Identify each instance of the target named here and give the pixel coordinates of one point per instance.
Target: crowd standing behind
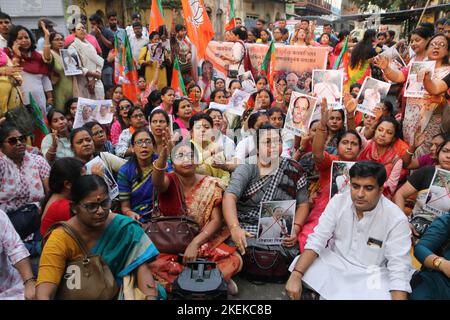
(90, 190)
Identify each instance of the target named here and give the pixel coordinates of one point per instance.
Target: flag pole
(423, 13)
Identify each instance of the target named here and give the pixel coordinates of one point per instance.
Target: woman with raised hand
(56, 144)
(349, 145)
(426, 112)
(202, 196)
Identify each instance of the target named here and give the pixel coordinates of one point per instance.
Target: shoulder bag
(171, 234)
(85, 278)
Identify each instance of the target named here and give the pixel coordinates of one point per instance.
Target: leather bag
(265, 265)
(86, 278)
(172, 234)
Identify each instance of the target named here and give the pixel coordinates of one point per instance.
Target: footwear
(232, 288)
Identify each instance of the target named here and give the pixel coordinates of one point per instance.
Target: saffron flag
(268, 64)
(156, 16)
(231, 16)
(37, 115)
(177, 80)
(125, 70)
(198, 25)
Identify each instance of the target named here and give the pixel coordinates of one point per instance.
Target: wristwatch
(437, 262)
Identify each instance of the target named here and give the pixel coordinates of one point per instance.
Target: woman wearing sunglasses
(119, 240)
(23, 175)
(137, 121)
(122, 121)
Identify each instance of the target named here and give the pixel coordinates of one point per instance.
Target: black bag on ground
(200, 280)
(26, 220)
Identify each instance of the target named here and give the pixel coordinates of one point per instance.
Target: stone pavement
(266, 291)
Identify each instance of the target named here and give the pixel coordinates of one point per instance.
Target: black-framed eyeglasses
(141, 143)
(93, 207)
(125, 107)
(14, 140)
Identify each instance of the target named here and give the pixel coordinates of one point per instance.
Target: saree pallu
(357, 74)
(205, 196)
(389, 159)
(420, 112)
(124, 246)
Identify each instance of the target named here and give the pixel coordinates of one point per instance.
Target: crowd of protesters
(175, 154)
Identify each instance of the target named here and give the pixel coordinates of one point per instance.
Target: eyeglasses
(141, 143)
(138, 116)
(98, 133)
(125, 107)
(93, 207)
(14, 140)
(181, 156)
(438, 44)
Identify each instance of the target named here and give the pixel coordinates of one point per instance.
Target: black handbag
(26, 220)
(21, 117)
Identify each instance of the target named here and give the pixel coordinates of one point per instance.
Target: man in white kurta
(354, 255)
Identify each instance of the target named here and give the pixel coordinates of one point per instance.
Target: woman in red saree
(203, 199)
(387, 148)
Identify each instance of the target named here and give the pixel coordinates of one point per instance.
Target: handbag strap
(72, 233)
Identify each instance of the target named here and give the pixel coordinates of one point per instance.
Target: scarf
(34, 64)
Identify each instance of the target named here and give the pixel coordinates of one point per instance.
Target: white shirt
(124, 143)
(246, 148)
(136, 45)
(3, 42)
(130, 32)
(347, 266)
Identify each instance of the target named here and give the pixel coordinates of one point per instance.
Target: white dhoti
(335, 278)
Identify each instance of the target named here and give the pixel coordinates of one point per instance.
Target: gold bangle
(159, 169)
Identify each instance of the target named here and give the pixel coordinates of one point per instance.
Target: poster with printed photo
(104, 112)
(156, 52)
(237, 101)
(340, 177)
(113, 188)
(300, 112)
(396, 60)
(438, 198)
(329, 84)
(414, 84)
(372, 92)
(276, 219)
(247, 82)
(71, 62)
(86, 112)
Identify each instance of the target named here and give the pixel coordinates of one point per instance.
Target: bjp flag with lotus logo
(199, 28)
